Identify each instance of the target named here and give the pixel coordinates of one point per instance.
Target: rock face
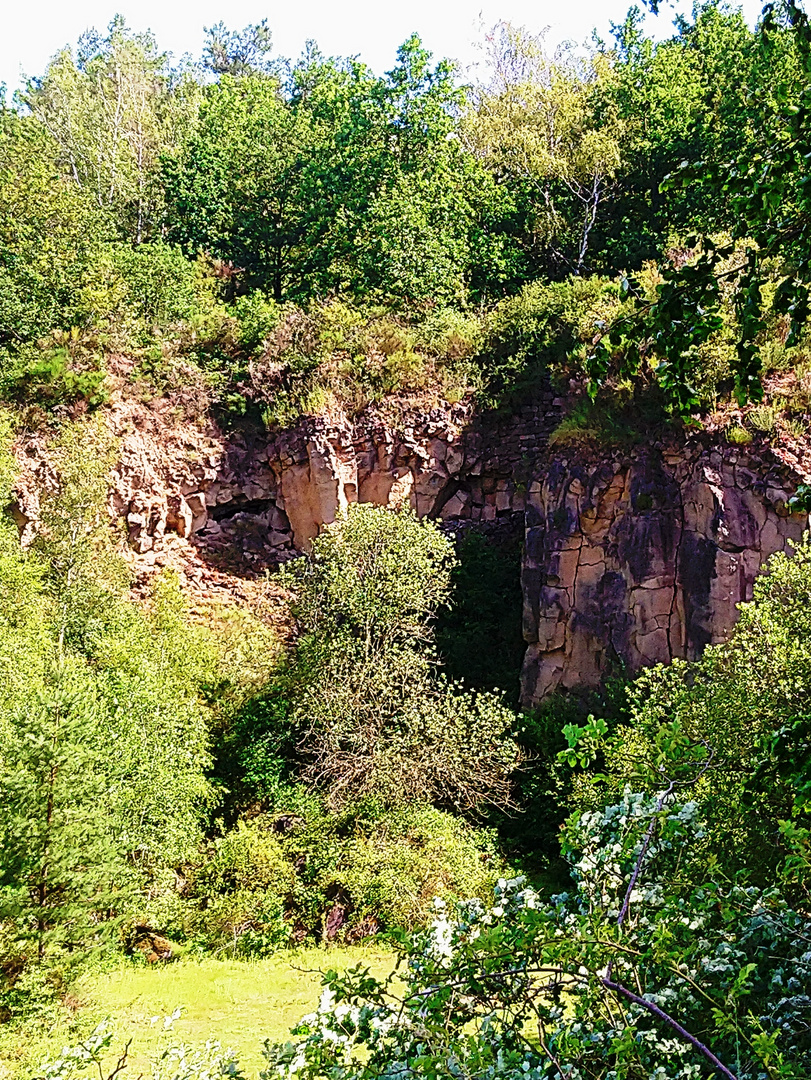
(644, 557)
(268, 494)
(630, 557)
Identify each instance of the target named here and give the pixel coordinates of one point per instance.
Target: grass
(239, 1003)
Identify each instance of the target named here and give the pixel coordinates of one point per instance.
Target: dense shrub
(543, 332)
(158, 286)
(375, 716)
(352, 354)
(66, 368)
(396, 864)
(243, 890)
(285, 877)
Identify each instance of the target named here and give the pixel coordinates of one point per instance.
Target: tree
(334, 181)
(62, 874)
(681, 947)
(384, 724)
(381, 575)
(701, 95)
(652, 964)
(144, 675)
(536, 123)
(766, 256)
(374, 714)
(49, 235)
(235, 191)
(147, 678)
(155, 680)
(238, 52)
(636, 971)
(113, 109)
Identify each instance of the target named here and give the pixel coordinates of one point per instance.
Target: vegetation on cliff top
(296, 234)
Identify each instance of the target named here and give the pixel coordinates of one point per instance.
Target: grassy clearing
(239, 1003)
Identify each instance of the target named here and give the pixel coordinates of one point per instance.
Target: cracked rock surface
(638, 558)
(631, 557)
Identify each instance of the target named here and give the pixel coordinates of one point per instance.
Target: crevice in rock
(254, 507)
(674, 647)
(452, 487)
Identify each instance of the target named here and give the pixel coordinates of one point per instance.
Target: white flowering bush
(209, 1062)
(636, 973)
(640, 972)
(94, 1058)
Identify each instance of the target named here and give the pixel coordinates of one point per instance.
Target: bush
(242, 891)
(375, 717)
(286, 876)
(541, 332)
(450, 334)
(69, 368)
(394, 866)
(247, 859)
(738, 436)
(258, 317)
(160, 285)
(761, 419)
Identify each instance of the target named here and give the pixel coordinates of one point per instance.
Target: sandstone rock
(179, 516)
(19, 517)
(670, 542)
(277, 519)
(653, 648)
(455, 505)
(197, 506)
(155, 947)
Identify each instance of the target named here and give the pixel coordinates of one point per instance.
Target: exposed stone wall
(644, 556)
(636, 556)
(269, 494)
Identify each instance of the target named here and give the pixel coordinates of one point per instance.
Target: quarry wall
(631, 556)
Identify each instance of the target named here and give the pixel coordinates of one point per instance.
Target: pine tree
(62, 881)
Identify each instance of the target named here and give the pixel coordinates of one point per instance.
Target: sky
(31, 31)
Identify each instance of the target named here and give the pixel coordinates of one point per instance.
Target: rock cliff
(631, 557)
(641, 557)
(267, 494)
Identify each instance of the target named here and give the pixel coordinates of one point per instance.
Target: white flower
(327, 1001)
